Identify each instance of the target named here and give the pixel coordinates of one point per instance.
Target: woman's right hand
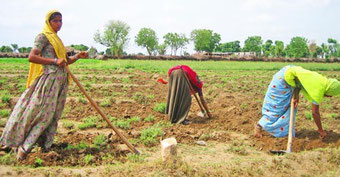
(60, 62)
(322, 133)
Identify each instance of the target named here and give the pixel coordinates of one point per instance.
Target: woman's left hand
(82, 55)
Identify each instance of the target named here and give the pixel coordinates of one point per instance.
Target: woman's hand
(296, 102)
(60, 62)
(322, 133)
(82, 55)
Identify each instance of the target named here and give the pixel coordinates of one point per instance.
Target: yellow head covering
(314, 85)
(36, 70)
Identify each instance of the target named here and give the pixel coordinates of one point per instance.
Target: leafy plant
(160, 107)
(99, 141)
(149, 135)
(68, 125)
(106, 103)
(38, 162)
(88, 123)
(149, 118)
(88, 158)
(5, 112)
(5, 97)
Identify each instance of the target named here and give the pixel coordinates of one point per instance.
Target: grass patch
(5, 112)
(68, 125)
(99, 141)
(149, 136)
(88, 123)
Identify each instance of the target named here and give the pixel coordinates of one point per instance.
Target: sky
(316, 20)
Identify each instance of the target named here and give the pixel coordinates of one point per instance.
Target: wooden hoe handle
(94, 104)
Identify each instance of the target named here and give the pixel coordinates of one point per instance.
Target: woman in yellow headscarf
(36, 114)
(276, 109)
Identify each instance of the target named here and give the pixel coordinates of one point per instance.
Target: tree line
(115, 38)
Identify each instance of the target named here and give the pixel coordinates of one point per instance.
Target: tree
(325, 50)
(80, 47)
(266, 48)
(333, 47)
(297, 47)
(161, 49)
(6, 49)
(279, 48)
(115, 36)
(92, 51)
(147, 38)
(233, 46)
(15, 47)
(205, 40)
(24, 49)
(253, 44)
(175, 41)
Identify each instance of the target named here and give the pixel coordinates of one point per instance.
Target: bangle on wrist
(55, 61)
(75, 57)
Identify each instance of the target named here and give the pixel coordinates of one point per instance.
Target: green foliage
(160, 107)
(68, 125)
(205, 40)
(233, 46)
(3, 122)
(149, 118)
(88, 123)
(297, 48)
(149, 135)
(238, 147)
(106, 103)
(122, 124)
(253, 44)
(80, 47)
(135, 158)
(5, 97)
(161, 49)
(115, 36)
(147, 38)
(7, 159)
(175, 41)
(81, 145)
(38, 162)
(88, 158)
(99, 141)
(7, 49)
(308, 115)
(5, 112)
(141, 98)
(82, 99)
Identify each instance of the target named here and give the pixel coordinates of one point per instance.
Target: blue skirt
(276, 106)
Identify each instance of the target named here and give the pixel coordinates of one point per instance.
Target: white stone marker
(169, 149)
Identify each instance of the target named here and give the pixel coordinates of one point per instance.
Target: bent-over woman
(179, 94)
(276, 105)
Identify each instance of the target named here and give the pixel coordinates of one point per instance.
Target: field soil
(235, 103)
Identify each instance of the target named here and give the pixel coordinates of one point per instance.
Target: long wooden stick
(192, 90)
(94, 104)
(291, 122)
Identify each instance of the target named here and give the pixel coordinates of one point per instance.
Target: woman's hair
(55, 14)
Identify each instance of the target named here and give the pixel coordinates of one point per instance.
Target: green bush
(38, 162)
(160, 107)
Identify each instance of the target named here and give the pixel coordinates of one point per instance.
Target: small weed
(82, 99)
(81, 145)
(308, 115)
(122, 124)
(149, 135)
(99, 141)
(88, 158)
(68, 125)
(7, 159)
(106, 103)
(3, 122)
(204, 137)
(140, 98)
(5, 97)
(126, 80)
(5, 112)
(134, 119)
(160, 107)
(238, 148)
(135, 158)
(150, 118)
(88, 123)
(38, 162)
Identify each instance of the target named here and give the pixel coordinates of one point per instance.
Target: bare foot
(21, 154)
(258, 131)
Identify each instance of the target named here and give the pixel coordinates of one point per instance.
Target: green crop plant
(149, 118)
(5, 97)
(38, 162)
(68, 125)
(149, 136)
(88, 122)
(5, 112)
(99, 141)
(160, 107)
(88, 158)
